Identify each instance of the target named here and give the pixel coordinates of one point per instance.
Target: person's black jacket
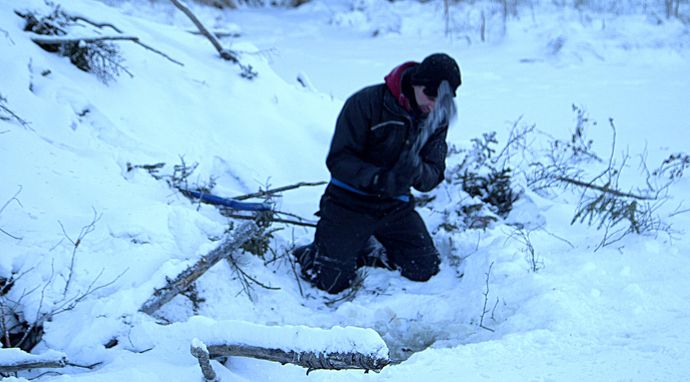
(373, 130)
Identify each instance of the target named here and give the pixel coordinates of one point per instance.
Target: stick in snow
(228, 245)
(200, 352)
(310, 360)
(224, 53)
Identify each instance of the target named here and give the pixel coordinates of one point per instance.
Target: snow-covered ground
(620, 313)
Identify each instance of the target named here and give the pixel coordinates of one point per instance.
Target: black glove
(398, 180)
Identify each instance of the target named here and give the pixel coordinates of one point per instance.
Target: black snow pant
(347, 222)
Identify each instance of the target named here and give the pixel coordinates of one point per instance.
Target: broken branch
(59, 40)
(224, 53)
(179, 284)
(270, 192)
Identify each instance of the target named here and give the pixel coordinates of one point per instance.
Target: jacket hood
(394, 83)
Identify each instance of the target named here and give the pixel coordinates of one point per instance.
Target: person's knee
(332, 279)
(421, 267)
(323, 272)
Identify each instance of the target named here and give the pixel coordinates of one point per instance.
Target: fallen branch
(270, 192)
(184, 280)
(309, 360)
(604, 189)
(17, 360)
(224, 53)
(59, 40)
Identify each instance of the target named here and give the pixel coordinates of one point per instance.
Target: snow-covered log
(229, 244)
(310, 360)
(309, 347)
(12, 360)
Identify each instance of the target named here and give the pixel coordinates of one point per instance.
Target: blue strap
(232, 203)
(343, 185)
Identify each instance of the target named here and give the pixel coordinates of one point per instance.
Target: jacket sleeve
(344, 159)
(433, 156)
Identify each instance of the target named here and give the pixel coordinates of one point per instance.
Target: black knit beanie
(433, 70)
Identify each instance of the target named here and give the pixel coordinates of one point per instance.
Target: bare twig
(116, 29)
(273, 191)
(7, 35)
(12, 114)
(679, 212)
(224, 53)
(85, 230)
(91, 289)
(517, 139)
(523, 236)
(558, 237)
(486, 300)
(352, 291)
(246, 279)
(12, 199)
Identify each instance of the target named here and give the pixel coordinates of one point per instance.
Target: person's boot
(305, 256)
(374, 255)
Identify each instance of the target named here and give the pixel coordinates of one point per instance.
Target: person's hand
(398, 180)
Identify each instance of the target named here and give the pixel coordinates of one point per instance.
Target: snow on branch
(200, 352)
(310, 360)
(13, 360)
(59, 40)
(313, 348)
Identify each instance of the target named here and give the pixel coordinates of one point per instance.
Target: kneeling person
(388, 138)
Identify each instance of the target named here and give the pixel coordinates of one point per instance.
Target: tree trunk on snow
(184, 280)
(310, 360)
